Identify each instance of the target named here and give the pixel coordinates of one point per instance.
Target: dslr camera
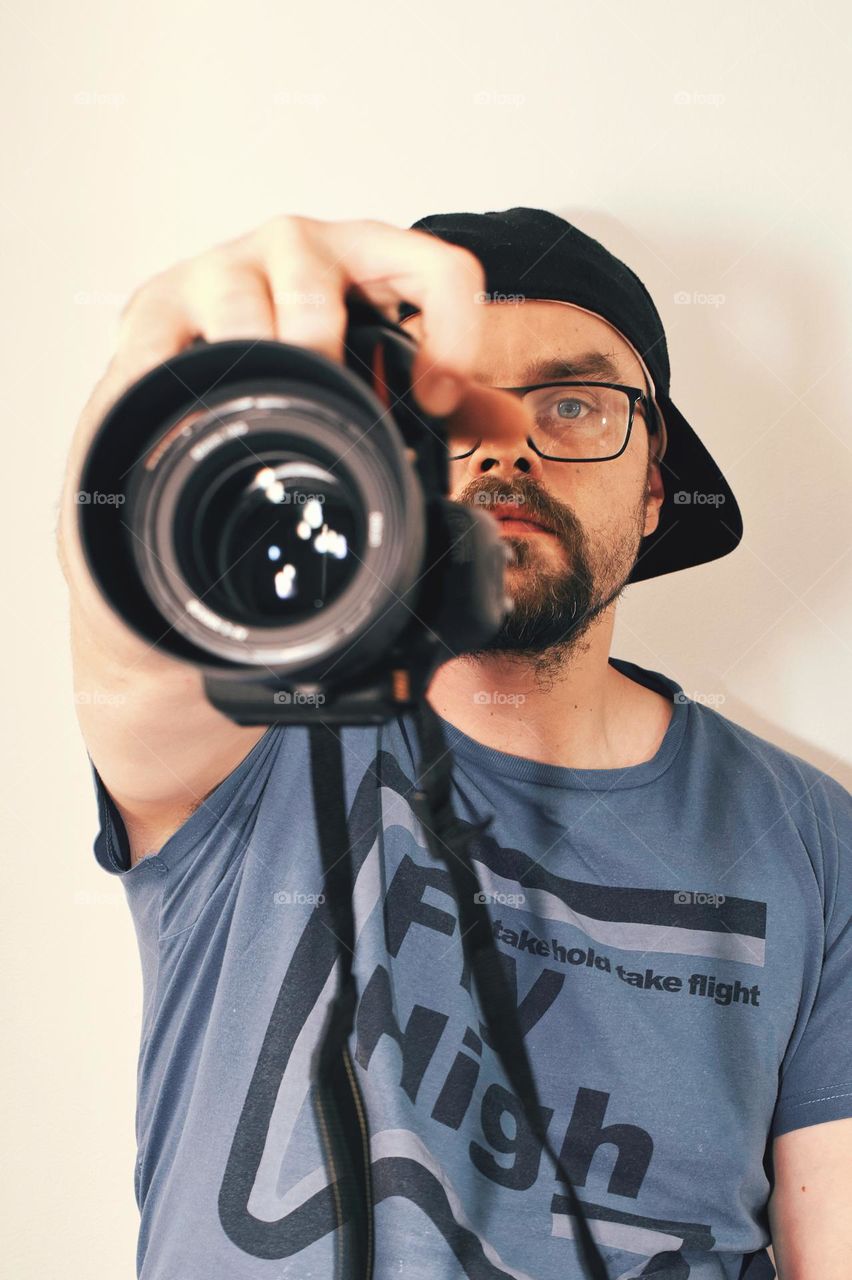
(280, 521)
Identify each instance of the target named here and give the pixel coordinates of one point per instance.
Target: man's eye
(569, 408)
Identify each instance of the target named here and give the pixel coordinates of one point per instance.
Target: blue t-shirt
(677, 935)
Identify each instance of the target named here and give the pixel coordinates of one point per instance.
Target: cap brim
(700, 518)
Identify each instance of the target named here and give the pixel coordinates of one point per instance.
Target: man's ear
(654, 493)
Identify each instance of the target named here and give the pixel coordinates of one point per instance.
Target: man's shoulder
(717, 735)
(758, 762)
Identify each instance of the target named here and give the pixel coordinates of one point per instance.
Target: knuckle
(363, 226)
(157, 288)
(466, 264)
(285, 230)
(206, 269)
(134, 303)
(453, 261)
(299, 289)
(228, 289)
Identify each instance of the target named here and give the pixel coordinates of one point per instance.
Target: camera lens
(280, 528)
(269, 537)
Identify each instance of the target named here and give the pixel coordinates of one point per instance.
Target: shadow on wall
(758, 336)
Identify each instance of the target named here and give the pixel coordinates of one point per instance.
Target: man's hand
(288, 280)
(157, 743)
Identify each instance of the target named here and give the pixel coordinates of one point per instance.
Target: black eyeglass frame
(634, 394)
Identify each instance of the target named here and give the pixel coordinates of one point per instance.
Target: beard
(555, 604)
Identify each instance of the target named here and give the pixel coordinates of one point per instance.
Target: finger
(391, 265)
(153, 327)
(230, 299)
(307, 286)
(312, 265)
(484, 413)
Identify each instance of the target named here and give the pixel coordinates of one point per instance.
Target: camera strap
(340, 1110)
(449, 840)
(338, 1106)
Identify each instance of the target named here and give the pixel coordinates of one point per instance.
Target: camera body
(280, 521)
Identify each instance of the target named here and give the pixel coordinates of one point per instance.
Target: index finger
(486, 413)
(390, 265)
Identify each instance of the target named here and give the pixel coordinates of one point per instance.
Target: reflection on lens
(271, 540)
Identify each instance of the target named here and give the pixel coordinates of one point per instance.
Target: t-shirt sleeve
(111, 845)
(816, 1075)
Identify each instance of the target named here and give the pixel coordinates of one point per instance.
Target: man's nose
(504, 458)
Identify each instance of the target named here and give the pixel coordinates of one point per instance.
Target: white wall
(706, 144)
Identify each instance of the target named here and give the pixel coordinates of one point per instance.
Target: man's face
(596, 513)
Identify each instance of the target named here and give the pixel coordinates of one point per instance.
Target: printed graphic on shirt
(448, 1072)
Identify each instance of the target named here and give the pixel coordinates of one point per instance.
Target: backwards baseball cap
(531, 253)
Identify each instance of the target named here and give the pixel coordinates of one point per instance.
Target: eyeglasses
(592, 424)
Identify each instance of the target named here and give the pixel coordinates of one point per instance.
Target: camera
(280, 521)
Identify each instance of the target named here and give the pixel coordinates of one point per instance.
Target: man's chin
(549, 612)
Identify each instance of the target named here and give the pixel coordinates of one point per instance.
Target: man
(670, 894)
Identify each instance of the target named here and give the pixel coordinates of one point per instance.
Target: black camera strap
(449, 841)
(339, 1107)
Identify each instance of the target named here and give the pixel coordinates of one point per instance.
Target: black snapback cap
(535, 254)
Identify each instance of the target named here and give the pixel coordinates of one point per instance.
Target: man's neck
(586, 716)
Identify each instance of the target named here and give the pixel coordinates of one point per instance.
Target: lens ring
(370, 458)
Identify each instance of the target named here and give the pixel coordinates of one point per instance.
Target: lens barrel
(265, 512)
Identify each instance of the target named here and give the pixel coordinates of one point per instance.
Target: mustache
(538, 504)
